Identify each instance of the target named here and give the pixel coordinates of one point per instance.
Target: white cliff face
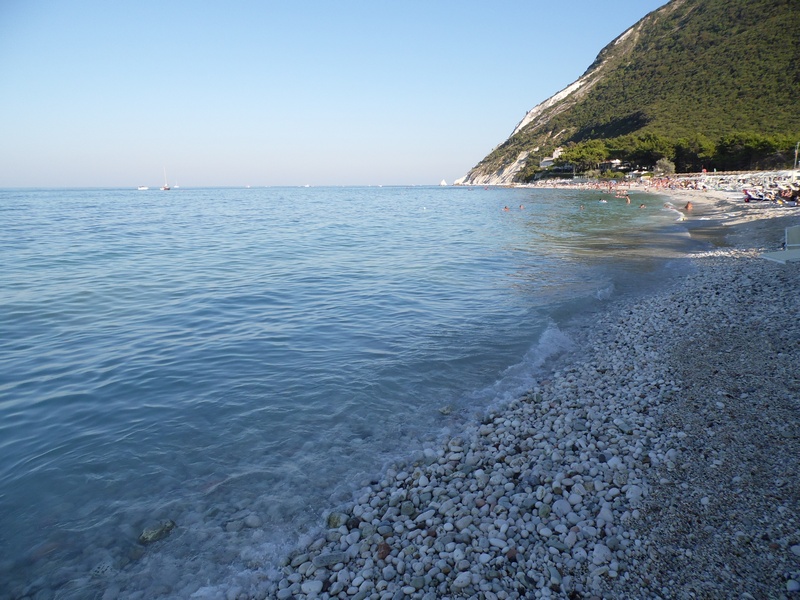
(540, 115)
(507, 174)
(588, 78)
(504, 176)
(624, 36)
(537, 110)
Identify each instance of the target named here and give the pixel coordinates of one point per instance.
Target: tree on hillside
(743, 151)
(649, 148)
(693, 154)
(665, 166)
(747, 151)
(584, 155)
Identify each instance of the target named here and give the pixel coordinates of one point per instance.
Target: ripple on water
(224, 357)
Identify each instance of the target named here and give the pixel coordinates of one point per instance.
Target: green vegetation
(702, 83)
(732, 152)
(664, 166)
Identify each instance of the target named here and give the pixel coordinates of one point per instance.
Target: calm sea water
(239, 360)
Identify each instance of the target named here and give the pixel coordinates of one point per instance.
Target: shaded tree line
(739, 151)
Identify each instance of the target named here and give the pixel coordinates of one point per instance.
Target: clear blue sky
(280, 93)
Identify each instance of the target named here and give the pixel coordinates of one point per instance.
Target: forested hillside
(711, 83)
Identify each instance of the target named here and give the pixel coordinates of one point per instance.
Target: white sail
(166, 185)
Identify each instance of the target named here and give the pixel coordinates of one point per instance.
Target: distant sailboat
(166, 185)
(442, 182)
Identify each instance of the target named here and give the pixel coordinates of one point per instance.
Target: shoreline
(660, 464)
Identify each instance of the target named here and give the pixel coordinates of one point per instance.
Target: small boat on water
(141, 188)
(166, 185)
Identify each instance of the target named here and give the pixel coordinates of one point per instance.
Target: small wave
(605, 293)
(670, 207)
(521, 377)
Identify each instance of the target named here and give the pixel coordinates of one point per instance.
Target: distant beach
(662, 465)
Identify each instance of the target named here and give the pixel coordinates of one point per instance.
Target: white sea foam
(605, 293)
(522, 376)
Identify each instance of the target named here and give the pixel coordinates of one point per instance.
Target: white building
(549, 160)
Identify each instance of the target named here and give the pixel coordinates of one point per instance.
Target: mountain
(692, 79)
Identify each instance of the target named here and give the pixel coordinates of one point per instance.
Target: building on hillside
(611, 165)
(548, 161)
(615, 165)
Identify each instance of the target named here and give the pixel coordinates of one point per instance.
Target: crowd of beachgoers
(777, 186)
(662, 464)
(782, 187)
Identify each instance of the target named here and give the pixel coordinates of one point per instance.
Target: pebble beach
(661, 463)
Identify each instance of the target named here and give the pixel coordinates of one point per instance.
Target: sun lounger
(791, 247)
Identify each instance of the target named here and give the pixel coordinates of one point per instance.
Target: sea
(239, 362)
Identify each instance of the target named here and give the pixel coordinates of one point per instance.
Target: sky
(291, 92)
